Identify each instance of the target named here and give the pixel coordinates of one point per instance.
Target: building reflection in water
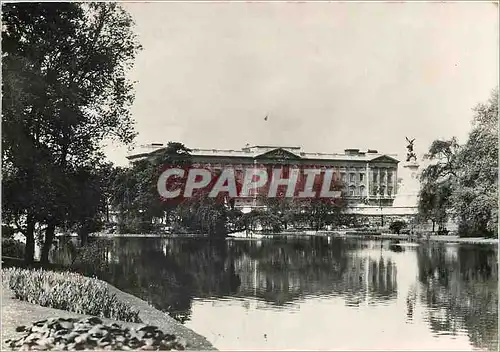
(278, 272)
(456, 284)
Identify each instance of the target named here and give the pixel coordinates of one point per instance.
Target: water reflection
(461, 290)
(455, 285)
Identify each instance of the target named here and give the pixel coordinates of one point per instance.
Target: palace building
(370, 178)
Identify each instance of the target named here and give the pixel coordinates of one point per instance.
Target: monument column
(407, 195)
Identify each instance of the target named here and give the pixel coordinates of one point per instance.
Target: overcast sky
(330, 76)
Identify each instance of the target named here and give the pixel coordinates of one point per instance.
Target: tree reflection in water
(458, 284)
(169, 273)
(461, 291)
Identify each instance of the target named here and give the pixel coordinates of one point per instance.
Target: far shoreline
(324, 233)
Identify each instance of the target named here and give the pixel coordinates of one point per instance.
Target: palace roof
(262, 151)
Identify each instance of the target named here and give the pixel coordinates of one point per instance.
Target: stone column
(385, 181)
(254, 201)
(379, 182)
(395, 181)
(367, 182)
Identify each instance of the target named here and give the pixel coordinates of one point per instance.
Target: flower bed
(68, 291)
(92, 334)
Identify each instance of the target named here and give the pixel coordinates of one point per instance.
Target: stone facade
(370, 177)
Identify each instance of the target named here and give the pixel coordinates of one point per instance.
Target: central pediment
(384, 159)
(278, 154)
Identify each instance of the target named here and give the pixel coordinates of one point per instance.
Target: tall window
(352, 177)
(389, 177)
(389, 191)
(375, 178)
(361, 177)
(362, 191)
(352, 191)
(342, 176)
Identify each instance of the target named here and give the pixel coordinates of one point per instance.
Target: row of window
(382, 177)
(352, 177)
(361, 191)
(353, 191)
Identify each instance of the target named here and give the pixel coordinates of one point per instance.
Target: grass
(68, 291)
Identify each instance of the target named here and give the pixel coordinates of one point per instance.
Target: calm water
(311, 293)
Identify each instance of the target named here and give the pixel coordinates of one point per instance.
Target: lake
(315, 293)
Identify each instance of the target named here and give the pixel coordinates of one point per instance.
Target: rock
(169, 337)
(67, 325)
(98, 331)
(71, 336)
(81, 338)
(91, 320)
(40, 322)
(148, 328)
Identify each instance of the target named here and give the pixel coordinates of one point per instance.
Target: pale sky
(330, 76)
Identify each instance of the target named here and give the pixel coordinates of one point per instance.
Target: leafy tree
(284, 209)
(435, 202)
(462, 180)
(91, 194)
(65, 90)
(437, 182)
(135, 193)
(397, 226)
(476, 196)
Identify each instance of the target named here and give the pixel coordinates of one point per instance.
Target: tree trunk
(47, 244)
(29, 251)
(83, 233)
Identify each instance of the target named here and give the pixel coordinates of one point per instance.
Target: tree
(90, 194)
(397, 226)
(437, 182)
(283, 208)
(135, 193)
(65, 90)
(435, 202)
(476, 197)
(463, 179)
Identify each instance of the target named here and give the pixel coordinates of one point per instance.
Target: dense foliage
(68, 291)
(462, 181)
(12, 248)
(64, 92)
(397, 226)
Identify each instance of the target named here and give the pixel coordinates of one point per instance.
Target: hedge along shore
(432, 238)
(339, 234)
(16, 312)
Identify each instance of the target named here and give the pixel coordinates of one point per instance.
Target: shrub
(397, 226)
(12, 248)
(68, 291)
(7, 231)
